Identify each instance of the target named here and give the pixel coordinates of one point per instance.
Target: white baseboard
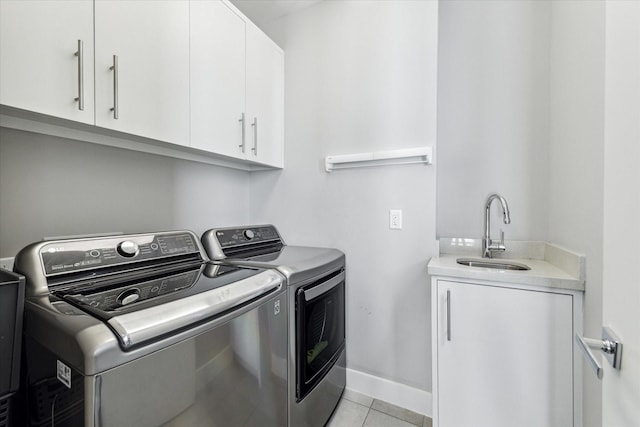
(392, 392)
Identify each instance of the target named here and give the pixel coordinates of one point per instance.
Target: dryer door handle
(322, 288)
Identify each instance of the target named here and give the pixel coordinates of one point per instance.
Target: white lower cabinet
(503, 355)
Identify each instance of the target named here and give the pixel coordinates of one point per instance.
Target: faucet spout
(488, 246)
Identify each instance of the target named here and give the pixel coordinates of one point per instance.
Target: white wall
(621, 276)
(361, 76)
(520, 112)
(576, 148)
(493, 98)
(52, 187)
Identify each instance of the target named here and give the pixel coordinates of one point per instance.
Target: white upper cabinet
(39, 68)
(217, 78)
(142, 68)
(237, 86)
(193, 73)
(265, 99)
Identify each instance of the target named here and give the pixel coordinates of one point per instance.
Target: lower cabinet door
(504, 357)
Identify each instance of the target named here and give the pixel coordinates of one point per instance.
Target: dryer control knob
(249, 234)
(128, 249)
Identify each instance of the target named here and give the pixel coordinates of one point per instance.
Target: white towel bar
(407, 156)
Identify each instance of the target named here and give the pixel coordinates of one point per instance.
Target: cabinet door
(151, 42)
(265, 98)
(506, 359)
(39, 70)
(217, 78)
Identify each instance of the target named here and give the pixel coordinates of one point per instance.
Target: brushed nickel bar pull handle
(80, 55)
(114, 68)
(255, 136)
(241, 120)
(448, 315)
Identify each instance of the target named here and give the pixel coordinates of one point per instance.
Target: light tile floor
(359, 410)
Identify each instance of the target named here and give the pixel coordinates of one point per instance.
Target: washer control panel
(229, 237)
(67, 256)
(114, 298)
(128, 249)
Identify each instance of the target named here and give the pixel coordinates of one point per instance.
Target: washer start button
(128, 249)
(128, 296)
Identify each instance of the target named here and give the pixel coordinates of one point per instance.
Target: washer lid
(151, 306)
(139, 326)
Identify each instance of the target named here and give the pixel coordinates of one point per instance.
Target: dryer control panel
(241, 242)
(229, 237)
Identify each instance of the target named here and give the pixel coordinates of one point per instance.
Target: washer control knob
(249, 234)
(128, 296)
(128, 249)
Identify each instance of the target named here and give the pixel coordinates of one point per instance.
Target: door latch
(610, 345)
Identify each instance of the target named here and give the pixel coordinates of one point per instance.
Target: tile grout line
(366, 416)
(370, 408)
(387, 414)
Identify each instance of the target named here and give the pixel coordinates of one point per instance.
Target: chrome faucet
(488, 245)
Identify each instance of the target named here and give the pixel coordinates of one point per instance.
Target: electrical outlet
(395, 219)
(6, 263)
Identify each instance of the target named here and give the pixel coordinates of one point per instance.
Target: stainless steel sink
(498, 264)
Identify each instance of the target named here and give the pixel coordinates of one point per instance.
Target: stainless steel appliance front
(317, 285)
(232, 373)
(316, 378)
(320, 330)
(222, 361)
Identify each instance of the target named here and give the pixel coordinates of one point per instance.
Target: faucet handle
(497, 246)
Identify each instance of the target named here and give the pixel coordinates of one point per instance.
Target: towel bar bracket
(610, 346)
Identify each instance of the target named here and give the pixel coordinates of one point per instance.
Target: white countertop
(545, 272)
